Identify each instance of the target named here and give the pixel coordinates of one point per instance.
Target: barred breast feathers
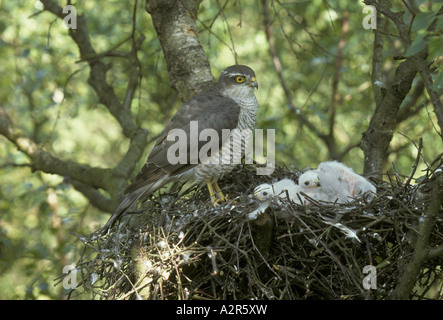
(229, 156)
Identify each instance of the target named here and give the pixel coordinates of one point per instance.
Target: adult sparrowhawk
(229, 104)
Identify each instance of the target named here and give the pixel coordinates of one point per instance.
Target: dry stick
(333, 256)
(244, 253)
(414, 167)
(261, 255)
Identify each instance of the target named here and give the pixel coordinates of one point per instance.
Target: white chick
(309, 180)
(312, 185)
(357, 185)
(264, 193)
(282, 189)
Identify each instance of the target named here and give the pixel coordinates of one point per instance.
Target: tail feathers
(129, 200)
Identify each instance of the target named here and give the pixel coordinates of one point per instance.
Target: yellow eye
(240, 79)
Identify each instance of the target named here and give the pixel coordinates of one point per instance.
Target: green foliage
(44, 89)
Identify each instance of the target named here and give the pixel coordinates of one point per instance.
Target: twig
(378, 87)
(279, 70)
(417, 159)
(434, 97)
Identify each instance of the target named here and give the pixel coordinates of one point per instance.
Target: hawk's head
(238, 81)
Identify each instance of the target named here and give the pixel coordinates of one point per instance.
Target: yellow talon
(211, 193)
(220, 194)
(216, 193)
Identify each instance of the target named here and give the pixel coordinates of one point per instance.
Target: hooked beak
(253, 83)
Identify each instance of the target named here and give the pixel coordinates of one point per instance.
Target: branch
(378, 136)
(278, 68)
(411, 107)
(116, 178)
(328, 138)
(396, 17)
(415, 166)
(377, 61)
(420, 61)
(434, 253)
(422, 251)
(95, 197)
(136, 147)
(425, 75)
(97, 77)
(46, 162)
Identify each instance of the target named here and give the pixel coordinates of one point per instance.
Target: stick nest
(184, 248)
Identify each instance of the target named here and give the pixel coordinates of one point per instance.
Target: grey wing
(211, 111)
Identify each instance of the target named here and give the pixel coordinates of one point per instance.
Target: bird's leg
(211, 193)
(220, 194)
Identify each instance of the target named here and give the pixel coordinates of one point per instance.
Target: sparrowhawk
(229, 104)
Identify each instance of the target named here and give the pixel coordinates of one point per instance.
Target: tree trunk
(188, 65)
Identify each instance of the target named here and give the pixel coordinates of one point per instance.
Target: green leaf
(422, 21)
(417, 45)
(435, 47)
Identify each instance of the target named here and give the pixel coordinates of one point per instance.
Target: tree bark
(376, 139)
(188, 65)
